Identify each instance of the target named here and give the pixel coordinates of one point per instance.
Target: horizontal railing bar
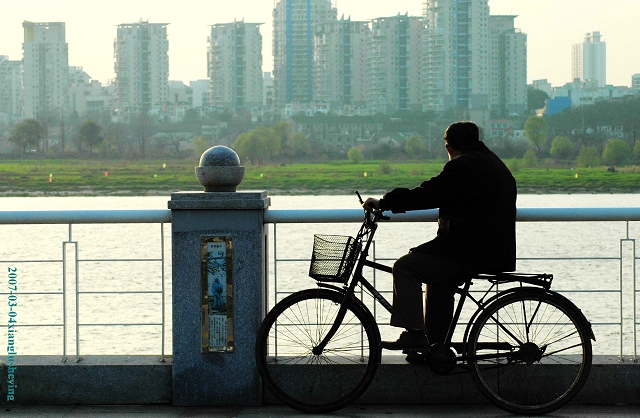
(89, 292)
(118, 325)
(305, 215)
(85, 216)
(35, 325)
(95, 260)
(30, 261)
(32, 293)
(523, 215)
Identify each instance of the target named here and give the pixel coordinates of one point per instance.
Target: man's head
(460, 135)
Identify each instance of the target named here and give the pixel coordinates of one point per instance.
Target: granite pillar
(203, 378)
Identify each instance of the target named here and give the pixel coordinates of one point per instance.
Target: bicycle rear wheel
(543, 348)
(306, 381)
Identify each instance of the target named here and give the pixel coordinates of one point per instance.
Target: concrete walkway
(354, 411)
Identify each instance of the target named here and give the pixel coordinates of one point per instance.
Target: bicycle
(528, 348)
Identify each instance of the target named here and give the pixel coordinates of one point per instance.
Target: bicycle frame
(368, 230)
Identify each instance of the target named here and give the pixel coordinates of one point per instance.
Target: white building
(201, 93)
(586, 92)
(294, 25)
(142, 68)
(635, 81)
(87, 97)
(340, 64)
(508, 67)
(11, 99)
(235, 66)
(394, 73)
(46, 69)
(589, 59)
(456, 54)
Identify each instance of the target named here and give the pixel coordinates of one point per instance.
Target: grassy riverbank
(95, 177)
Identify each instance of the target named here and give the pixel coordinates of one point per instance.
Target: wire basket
(333, 258)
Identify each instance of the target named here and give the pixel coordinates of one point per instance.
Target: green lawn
(21, 177)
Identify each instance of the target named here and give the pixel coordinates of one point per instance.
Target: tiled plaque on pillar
(217, 295)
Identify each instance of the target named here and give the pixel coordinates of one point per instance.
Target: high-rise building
(456, 54)
(294, 26)
(589, 59)
(46, 69)
(235, 66)
(394, 55)
(142, 67)
(11, 99)
(340, 64)
(508, 67)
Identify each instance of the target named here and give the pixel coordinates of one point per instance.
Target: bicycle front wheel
(534, 352)
(324, 382)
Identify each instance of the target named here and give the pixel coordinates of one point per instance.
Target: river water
(593, 249)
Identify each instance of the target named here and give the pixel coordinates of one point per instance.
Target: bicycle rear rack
(537, 279)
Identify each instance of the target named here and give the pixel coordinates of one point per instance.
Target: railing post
(219, 282)
(205, 375)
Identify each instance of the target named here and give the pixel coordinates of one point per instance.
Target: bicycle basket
(333, 258)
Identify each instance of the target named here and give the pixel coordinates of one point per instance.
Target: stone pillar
(202, 378)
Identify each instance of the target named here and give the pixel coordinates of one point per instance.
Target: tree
(27, 134)
(536, 99)
(636, 151)
(588, 157)
(616, 152)
(535, 129)
(143, 129)
(561, 147)
(115, 142)
(200, 145)
(529, 159)
(258, 145)
(414, 146)
(90, 134)
(296, 146)
(355, 155)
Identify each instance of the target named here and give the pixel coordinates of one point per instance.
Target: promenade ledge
(74, 375)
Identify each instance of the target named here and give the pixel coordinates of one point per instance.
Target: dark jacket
(476, 197)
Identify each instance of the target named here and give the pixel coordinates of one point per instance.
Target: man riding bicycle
(476, 196)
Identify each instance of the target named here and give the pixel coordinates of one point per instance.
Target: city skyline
(552, 27)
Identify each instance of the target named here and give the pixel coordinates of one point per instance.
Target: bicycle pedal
(415, 357)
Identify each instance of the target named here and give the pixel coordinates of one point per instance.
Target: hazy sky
(552, 26)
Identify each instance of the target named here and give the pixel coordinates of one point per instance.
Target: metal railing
(626, 215)
(73, 263)
(277, 287)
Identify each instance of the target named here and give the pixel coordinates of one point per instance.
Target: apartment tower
(142, 66)
(456, 54)
(508, 67)
(294, 26)
(11, 98)
(394, 54)
(235, 66)
(339, 64)
(589, 59)
(46, 69)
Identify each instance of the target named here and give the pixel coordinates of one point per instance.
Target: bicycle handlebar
(377, 213)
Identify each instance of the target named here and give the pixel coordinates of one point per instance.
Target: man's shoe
(406, 341)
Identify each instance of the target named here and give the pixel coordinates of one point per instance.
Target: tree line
(606, 132)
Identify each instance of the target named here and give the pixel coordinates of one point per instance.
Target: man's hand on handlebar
(371, 204)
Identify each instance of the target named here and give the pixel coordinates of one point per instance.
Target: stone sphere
(220, 169)
(219, 156)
